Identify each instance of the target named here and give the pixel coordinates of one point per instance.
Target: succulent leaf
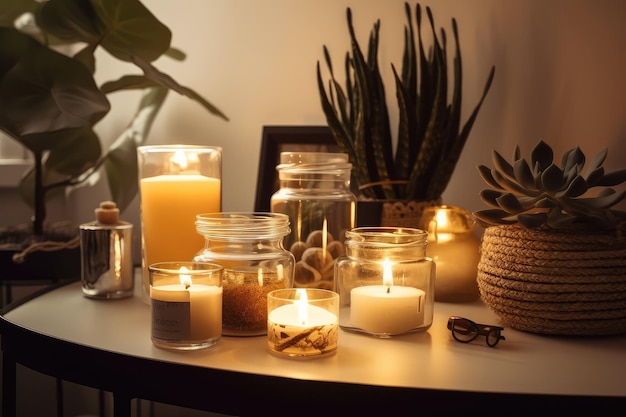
(532, 221)
(613, 178)
(509, 203)
(598, 160)
(552, 179)
(542, 156)
(502, 165)
(493, 216)
(490, 197)
(523, 174)
(595, 176)
(486, 175)
(549, 196)
(577, 187)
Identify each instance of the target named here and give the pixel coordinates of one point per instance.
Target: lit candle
(169, 205)
(186, 311)
(455, 250)
(387, 308)
(302, 329)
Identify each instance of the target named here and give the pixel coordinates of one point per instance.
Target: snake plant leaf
(428, 141)
(542, 156)
(552, 179)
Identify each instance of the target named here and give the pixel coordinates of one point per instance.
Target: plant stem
(40, 195)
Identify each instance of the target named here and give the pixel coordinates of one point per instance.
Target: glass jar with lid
(249, 247)
(315, 194)
(385, 282)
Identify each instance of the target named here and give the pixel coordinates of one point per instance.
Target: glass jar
(315, 194)
(454, 247)
(385, 282)
(176, 183)
(249, 247)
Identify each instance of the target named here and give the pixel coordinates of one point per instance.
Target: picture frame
(277, 139)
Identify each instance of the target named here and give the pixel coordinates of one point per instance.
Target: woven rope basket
(555, 282)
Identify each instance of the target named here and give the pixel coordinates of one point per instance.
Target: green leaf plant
(430, 135)
(50, 101)
(537, 193)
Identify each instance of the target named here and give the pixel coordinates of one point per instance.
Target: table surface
(524, 363)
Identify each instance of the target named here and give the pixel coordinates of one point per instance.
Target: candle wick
(187, 285)
(388, 290)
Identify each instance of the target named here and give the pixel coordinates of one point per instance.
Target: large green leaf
(10, 10)
(45, 92)
(124, 28)
(121, 160)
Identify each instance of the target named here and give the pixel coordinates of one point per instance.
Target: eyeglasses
(464, 331)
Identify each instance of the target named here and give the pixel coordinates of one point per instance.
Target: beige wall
(560, 68)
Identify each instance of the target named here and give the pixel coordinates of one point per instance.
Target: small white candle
(301, 329)
(386, 308)
(197, 316)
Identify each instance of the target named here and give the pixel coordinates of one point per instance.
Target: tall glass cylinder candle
(186, 304)
(302, 323)
(176, 183)
(249, 247)
(385, 282)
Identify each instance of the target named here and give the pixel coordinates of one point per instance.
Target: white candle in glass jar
(204, 318)
(387, 308)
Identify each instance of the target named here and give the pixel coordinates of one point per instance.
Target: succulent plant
(538, 193)
(430, 134)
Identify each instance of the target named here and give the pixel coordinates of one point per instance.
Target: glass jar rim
(313, 161)
(252, 225)
(176, 147)
(386, 236)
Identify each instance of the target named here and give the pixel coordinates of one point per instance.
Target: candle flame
(260, 277)
(180, 159)
(441, 223)
(185, 278)
(302, 301)
(324, 240)
(388, 274)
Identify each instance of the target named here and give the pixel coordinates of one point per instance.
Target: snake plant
(430, 136)
(539, 193)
